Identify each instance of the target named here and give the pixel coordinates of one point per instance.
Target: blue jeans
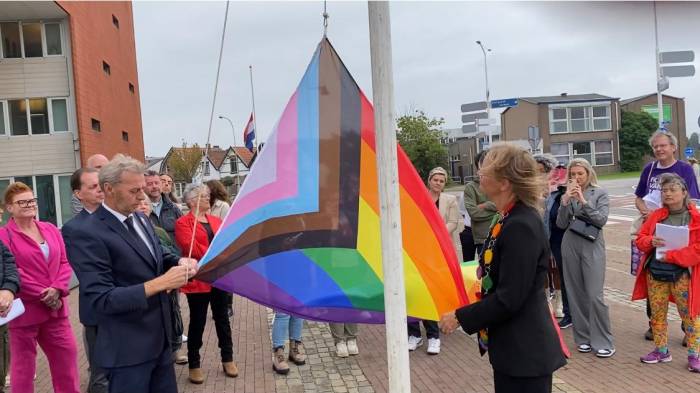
(285, 327)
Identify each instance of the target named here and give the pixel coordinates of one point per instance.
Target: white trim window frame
(44, 45)
(5, 106)
(558, 155)
(44, 38)
(588, 117)
(593, 152)
(597, 153)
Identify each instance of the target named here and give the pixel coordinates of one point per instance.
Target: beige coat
(220, 209)
(449, 211)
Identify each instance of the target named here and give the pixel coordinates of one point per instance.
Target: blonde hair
(437, 171)
(511, 162)
(583, 163)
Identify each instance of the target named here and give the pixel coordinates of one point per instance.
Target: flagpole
(255, 116)
(390, 217)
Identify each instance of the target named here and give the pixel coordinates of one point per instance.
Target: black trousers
(198, 318)
(155, 376)
(468, 247)
(431, 329)
(508, 384)
(556, 252)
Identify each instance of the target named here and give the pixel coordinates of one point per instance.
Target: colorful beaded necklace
(486, 257)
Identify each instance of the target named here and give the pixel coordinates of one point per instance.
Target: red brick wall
(94, 39)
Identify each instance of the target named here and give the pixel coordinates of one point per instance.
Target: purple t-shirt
(680, 168)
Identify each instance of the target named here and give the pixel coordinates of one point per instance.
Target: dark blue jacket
(132, 329)
(87, 316)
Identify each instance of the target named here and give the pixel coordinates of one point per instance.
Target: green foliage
(694, 142)
(227, 181)
(634, 139)
(184, 162)
(419, 136)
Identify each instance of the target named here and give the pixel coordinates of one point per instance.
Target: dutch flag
(249, 134)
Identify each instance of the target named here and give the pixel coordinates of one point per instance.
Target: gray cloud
(538, 49)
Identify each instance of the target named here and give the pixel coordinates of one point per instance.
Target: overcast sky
(539, 48)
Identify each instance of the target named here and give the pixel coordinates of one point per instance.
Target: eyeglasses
(26, 202)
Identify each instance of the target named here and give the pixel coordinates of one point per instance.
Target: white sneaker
(433, 346)
(352, 347)
(184, 338)
(414, 342)
(341, 349)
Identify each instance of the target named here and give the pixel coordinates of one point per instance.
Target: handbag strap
(655, 163)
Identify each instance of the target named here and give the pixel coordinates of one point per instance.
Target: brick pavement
(457, 369)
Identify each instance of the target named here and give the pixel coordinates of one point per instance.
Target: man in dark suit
(126, 275)
(86, 189)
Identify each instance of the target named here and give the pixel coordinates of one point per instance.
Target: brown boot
(196, 376)
(279, 363)
(230, 369)
(296, 352)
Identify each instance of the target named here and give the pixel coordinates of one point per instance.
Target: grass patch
(620, 175)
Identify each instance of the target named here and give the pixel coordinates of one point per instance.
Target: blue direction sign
(507, 103)
(689, 152)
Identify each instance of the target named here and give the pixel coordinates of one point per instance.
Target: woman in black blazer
(513, 319)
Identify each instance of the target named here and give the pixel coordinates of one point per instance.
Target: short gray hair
(672, 138)
(674, 179)
(192, 191)
(112, 172)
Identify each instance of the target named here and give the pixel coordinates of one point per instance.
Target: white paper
(16, 310)
(674, 237)
(652, 200)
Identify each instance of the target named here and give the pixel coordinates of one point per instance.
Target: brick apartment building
(68, 89)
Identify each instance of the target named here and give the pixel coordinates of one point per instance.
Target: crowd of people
(534, 225)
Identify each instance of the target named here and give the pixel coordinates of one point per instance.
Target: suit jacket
(87, 315)
(523, 341)
(183, 238)
(132, 329)
(36, 273)
(449, 211)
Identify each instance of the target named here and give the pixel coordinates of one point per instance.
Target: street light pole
(659, 96)
(488, 94)
(233, 130)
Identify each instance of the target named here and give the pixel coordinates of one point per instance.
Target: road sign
(474, 106)
(472, 117)
(485, 122)
(683, 56)
(467, 128)
(662, 84)
(491, 129)
(507, 103)
(678, 71)
(689, 152)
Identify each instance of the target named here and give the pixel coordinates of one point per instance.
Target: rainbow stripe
(303, 237)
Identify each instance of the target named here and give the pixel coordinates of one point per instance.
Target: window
(115, 21)
(560, 151)
(31, 35)
(582, 150)
(96, 125)
(207, 170)
(44, 192)
(39, 115)
(59, 114)
(579, 118)
(3, 186)
(2, 119)
(18, 117)
(598, 153)
(106, 68)
(125, 136)
(131, 88)
(601, 117)
(65, 197)
(54, 207)
(234, 164)
(53, 39)
(603, 153)
(11, 42)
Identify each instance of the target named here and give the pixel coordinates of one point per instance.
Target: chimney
(564, 94)
(217, 147)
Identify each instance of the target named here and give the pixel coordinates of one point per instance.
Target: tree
(184, 162)
(419, 136)
(634, 139)
(694, 142)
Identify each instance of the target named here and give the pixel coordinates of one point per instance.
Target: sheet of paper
(674, 237)
(653, 200)
(16, 310)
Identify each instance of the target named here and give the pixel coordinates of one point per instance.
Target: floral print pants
(659, 292)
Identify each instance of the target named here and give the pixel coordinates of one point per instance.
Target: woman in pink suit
(44, 273)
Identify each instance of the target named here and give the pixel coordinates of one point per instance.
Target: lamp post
(488, 95)
(233, 130)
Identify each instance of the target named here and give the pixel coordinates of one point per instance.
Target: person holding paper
(45, 274)
(674, 273)
(664, 146)
(9, 286)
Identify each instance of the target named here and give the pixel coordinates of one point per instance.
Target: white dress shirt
(139, 228)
